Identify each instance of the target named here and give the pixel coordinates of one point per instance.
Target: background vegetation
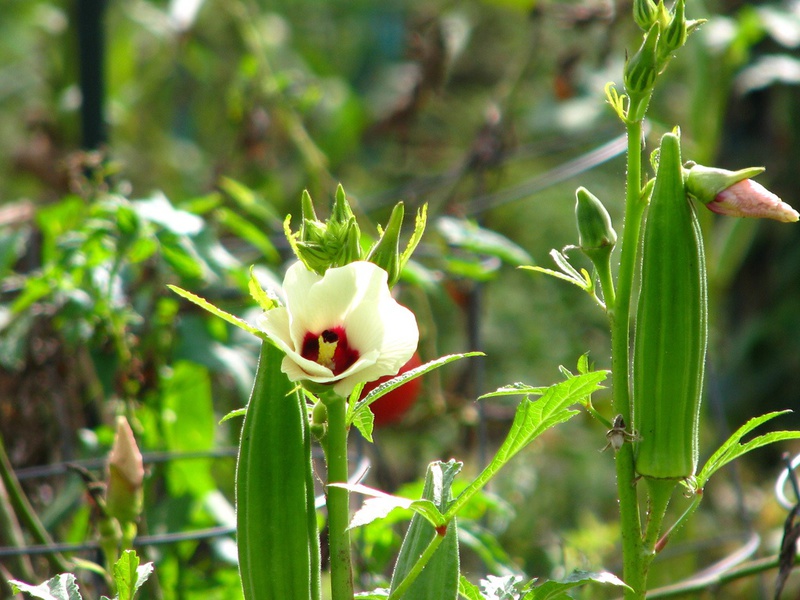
(217, 116)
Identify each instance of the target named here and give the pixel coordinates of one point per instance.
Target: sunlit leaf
(396, 382)
(734, 448)
(129, 576)
(470, 236)
(232, 319)
(557, 590)
(60, 587)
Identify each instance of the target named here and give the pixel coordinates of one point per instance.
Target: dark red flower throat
(329, 349)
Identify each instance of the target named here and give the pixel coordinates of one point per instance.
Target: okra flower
(341, 328)
(735, 194)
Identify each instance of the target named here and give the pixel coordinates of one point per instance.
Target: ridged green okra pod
(275, 517)
(671, 327)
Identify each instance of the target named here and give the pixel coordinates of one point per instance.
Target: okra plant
(338, 327)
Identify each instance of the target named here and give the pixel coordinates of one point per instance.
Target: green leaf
(734, 448)
(557, 590)
(226, 316)
(189, 424)
(248, 231)
(379, 504)
(531, 420)
(469, 590)
(247, 199)
(60, 587)
(364, 420)
(515, 389)
(129, 576)
(568, 273)
(419, 229)
(439, 579)
(470, 236)
(262, 298)
(396, 382)
(239, 412)
(159, 210)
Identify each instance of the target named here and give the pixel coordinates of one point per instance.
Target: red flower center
(329, 349)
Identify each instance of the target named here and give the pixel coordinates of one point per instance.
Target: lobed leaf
(732, 448)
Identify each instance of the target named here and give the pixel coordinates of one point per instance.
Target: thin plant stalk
(634, 571)
(338, 499)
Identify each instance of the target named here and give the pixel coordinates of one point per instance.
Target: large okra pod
(671, 327)
(275, 518)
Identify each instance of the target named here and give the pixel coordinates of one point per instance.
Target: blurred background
(151, 142)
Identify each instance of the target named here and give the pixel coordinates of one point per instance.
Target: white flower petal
(355, 297)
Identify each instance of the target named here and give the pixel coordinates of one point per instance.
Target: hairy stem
(338, 499)
(634, 571)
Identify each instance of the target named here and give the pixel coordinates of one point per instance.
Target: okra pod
(275, 516)
(671, 327)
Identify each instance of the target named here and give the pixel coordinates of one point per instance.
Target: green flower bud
(642, 68)
(386, 251)
(674, 35)
(334, 243)
(645, 13)
(735, 194)
(705, 183)
(596, 235)
(124, 494)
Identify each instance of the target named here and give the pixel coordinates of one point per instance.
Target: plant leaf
(466, 234)
(60, 587)
(396, 382)
(225, 316)
(469, 590)
(732, 448)
(239, 412)
(556, 590)
(364, 420)
(379, 504)
(439, 579)
(262, 298)
(515, 389)
(531, 420)
(129, 575)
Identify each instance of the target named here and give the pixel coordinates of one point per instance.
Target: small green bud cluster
(665, 32)
(334, 243)
(337, 241)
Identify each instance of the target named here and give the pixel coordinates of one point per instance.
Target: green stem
(412, 575)
(659, 493)
(634, 572)
(338, 499)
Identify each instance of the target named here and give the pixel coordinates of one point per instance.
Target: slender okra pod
(671, 327)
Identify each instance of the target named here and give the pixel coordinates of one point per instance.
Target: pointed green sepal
(386, 251)
(705, 183)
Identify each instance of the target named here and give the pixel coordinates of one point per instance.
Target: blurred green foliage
(219, 114)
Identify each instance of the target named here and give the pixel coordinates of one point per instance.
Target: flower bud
(674, 35)
(322, 245)
(640, 73)
(386, 251)
(596, 235)
(645, 13)
(735, 194)
(124, 494)
(641, 68)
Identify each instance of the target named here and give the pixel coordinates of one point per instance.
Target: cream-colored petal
(317, 303)
(275, 323)
(296, 368)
